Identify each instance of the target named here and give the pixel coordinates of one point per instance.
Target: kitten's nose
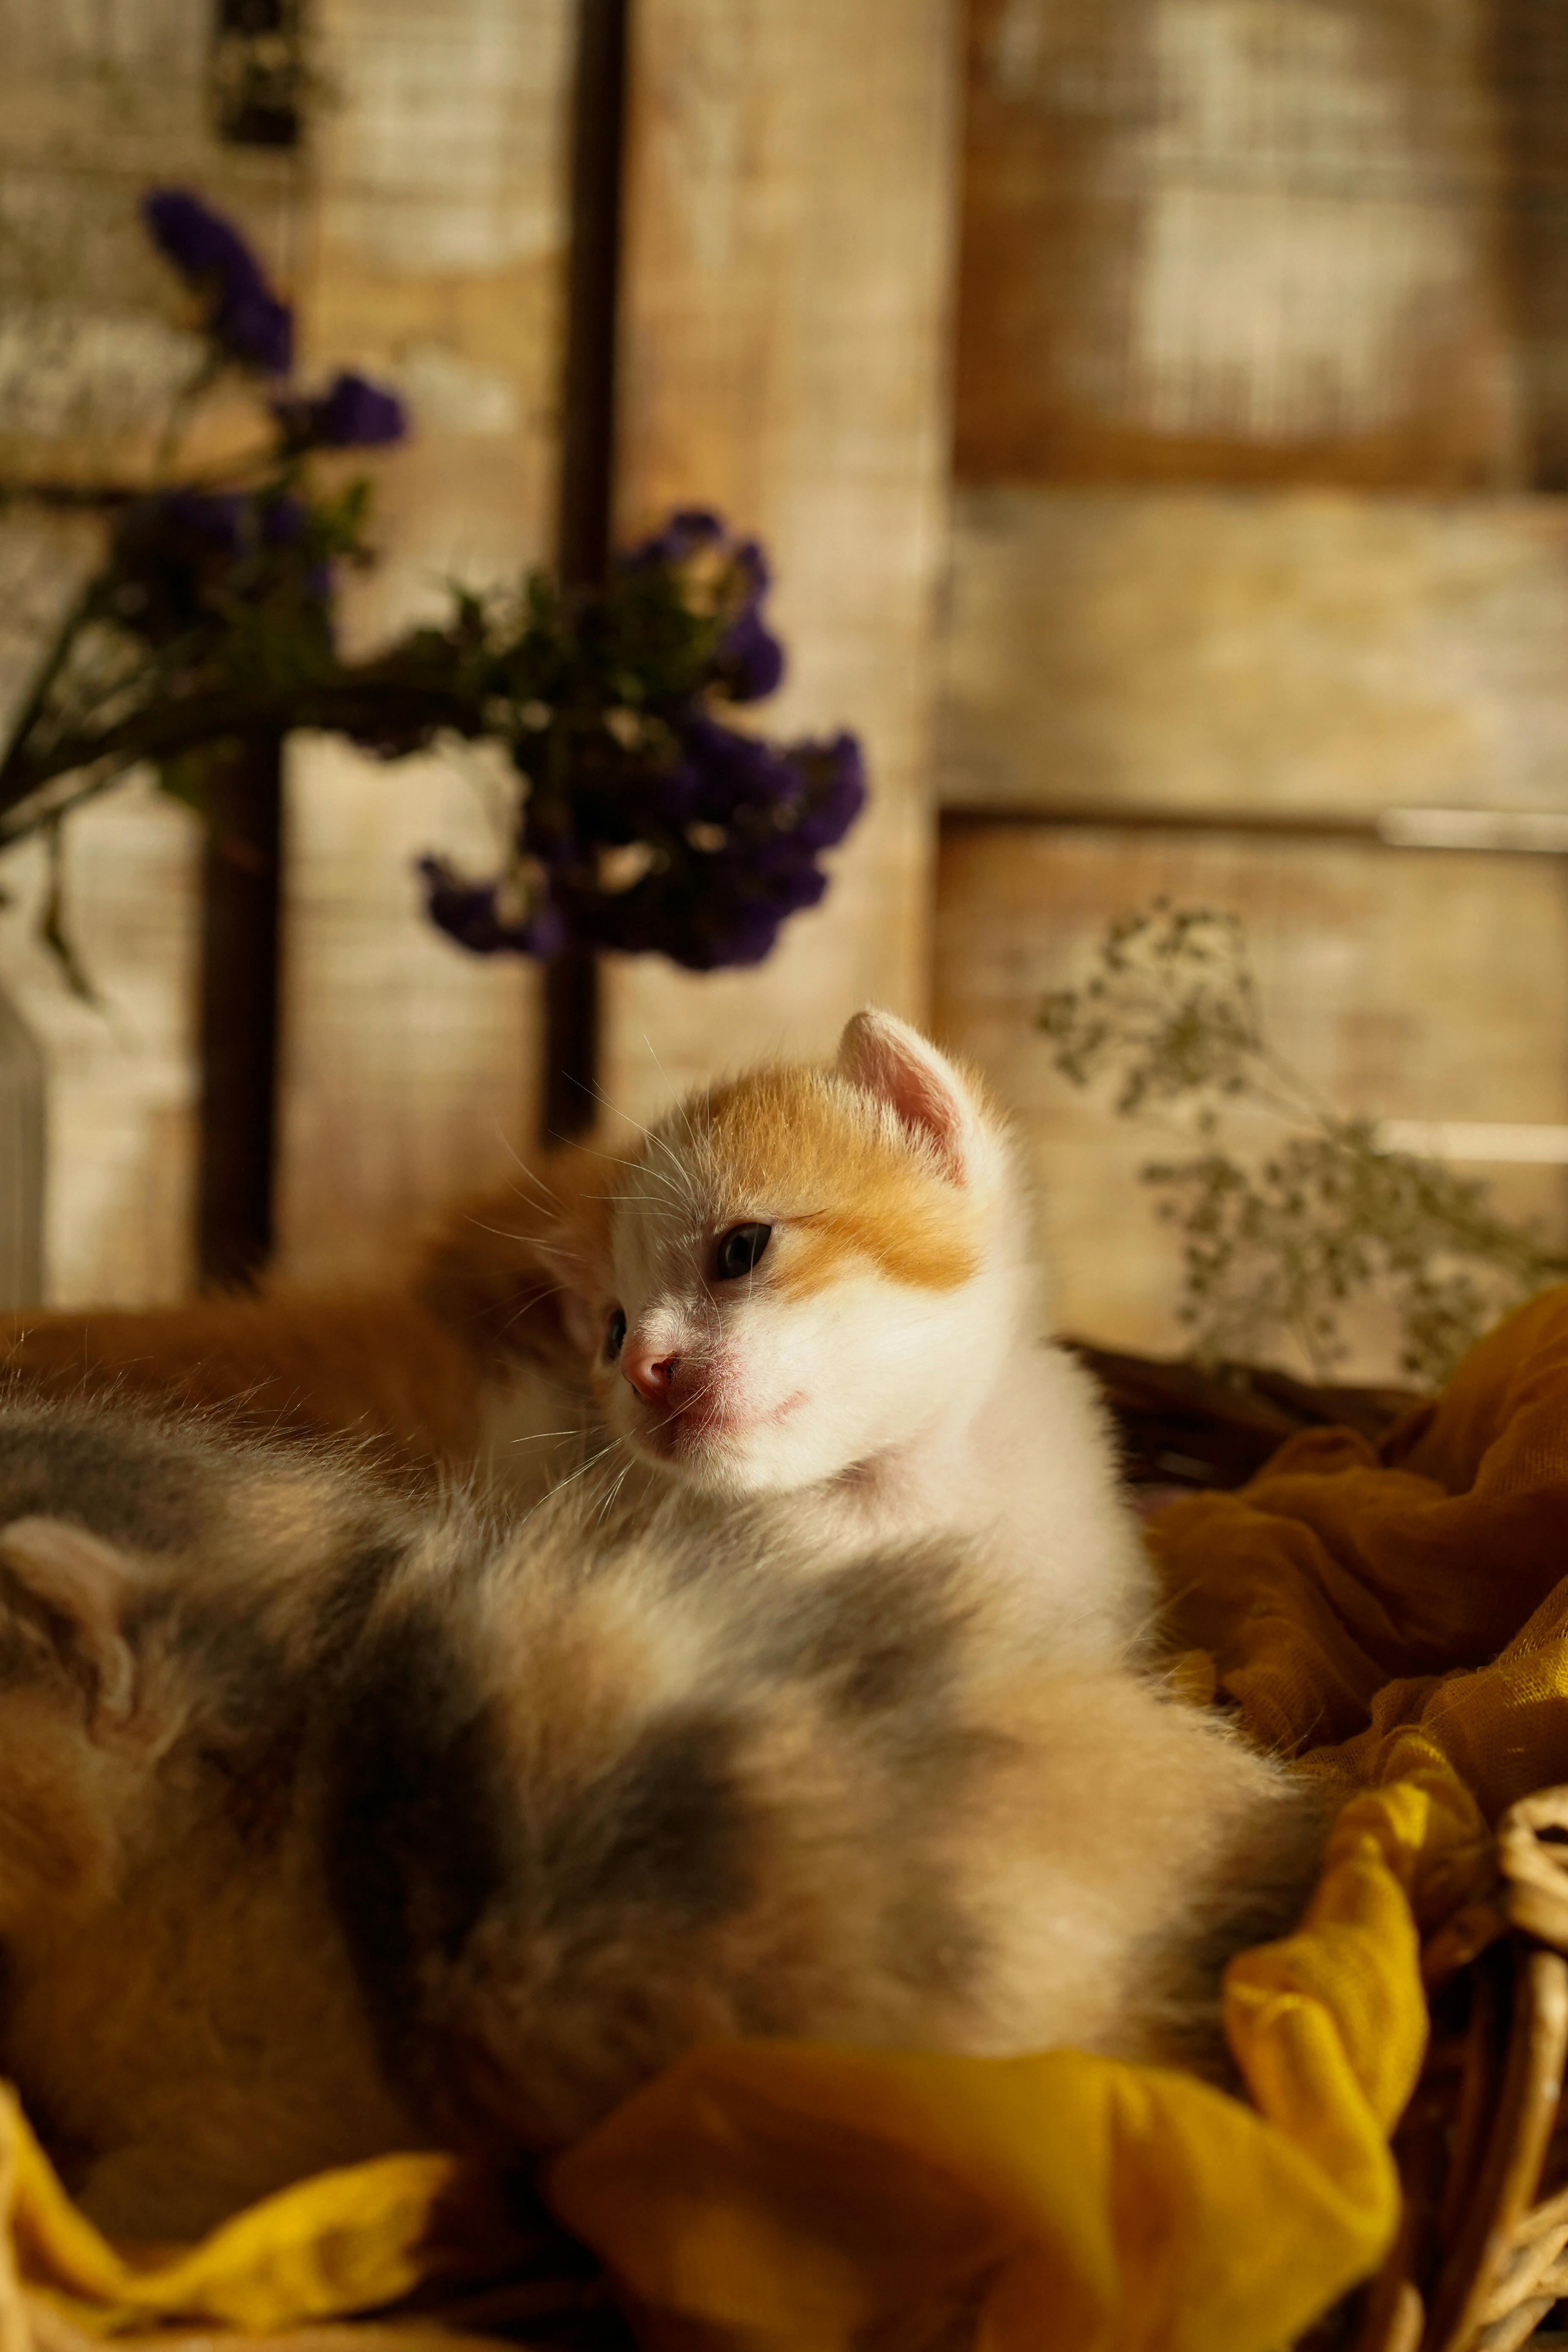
(650, 1368)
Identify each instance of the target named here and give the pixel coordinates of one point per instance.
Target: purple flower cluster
(732, 825)
(352, 414)
(471, 913)
(760, 818)
(244, 315)
(748, 661)
(185, 557)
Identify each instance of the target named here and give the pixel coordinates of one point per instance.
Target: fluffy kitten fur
(461, 1366)
(329, 1825)
(884, 1359)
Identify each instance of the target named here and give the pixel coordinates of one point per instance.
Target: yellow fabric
(764, 2197)
(345, 2242)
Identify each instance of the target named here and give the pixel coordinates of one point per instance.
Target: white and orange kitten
(821, 1282)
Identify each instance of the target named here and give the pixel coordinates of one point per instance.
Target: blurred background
(1156, 415)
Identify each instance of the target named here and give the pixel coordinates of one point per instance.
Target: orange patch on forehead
(801, 1146)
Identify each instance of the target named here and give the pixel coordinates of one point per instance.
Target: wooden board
(789, 221)
(1308, 650)
(439, 246)
(1254, 240)
(121, 1074)
(1403, 985)
(409, 1064)
(95, 107)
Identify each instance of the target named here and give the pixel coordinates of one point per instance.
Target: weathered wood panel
(95, 105)
(1310, 650)
(1236, 240)
(1402, 985)
(790, 191)
(1530, 64)
(410, 1062)
(437, 262)
(121, 1074)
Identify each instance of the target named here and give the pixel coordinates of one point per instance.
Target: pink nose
(650, 1372)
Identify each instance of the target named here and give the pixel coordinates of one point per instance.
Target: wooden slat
(788, 222)
(1235, 240)
(1401, 986)
(121, 1094)
(438, 260)
(1280, 650)
(94, 107)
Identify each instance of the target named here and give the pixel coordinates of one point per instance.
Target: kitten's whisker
(532, 1175)
(570, 1478)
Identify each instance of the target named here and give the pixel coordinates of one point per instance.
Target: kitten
(178, 2005)
(459, 1366)
(329, 1825)
(823, 1282)
(819, 1282)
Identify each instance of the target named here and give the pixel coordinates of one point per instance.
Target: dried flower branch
(643, 820)
(1326, 1219)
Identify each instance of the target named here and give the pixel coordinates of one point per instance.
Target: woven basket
(1482, 2259)
(1480, 2264)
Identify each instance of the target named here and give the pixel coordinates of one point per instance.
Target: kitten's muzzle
(651, 1370)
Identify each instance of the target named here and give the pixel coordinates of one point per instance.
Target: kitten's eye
(614, 1334)
(739, 1249)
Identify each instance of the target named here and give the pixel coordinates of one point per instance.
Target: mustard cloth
(1351, 1605)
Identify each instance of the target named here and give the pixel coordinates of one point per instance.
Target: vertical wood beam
(784, 356)
(238, 1024)
(569, 1088)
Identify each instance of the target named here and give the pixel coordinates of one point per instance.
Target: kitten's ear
(902, 1069)
(83, 1586)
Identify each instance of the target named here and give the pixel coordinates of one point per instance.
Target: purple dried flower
(169, 552)
(243, 313)
(733, 771)
(689, 533)
(214, 517)
(833, 774)
(750, 660)
(669, 795)
(746, 937)
(352, 414)
(469, 912)
(201, 244)
(257, 329)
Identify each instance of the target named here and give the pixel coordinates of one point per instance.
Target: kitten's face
(798, 1269)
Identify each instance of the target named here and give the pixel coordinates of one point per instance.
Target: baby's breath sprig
(1289, 1243)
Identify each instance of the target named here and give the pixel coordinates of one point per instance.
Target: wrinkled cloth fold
(1395, 1618)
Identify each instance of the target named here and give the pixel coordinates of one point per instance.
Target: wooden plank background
(1403, 985)
(1220, 240)
(1283, 648)
(791, 186)
(437, 262)
(95, 107)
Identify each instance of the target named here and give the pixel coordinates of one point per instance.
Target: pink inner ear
(899, 1067)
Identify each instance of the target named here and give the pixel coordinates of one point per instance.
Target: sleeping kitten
(822, 1282)
(329, 1827)
(459, 1366)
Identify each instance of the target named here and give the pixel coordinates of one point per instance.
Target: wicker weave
(1482, 2254)
(1482, 2259)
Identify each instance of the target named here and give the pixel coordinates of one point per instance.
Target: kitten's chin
(723, 1459)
